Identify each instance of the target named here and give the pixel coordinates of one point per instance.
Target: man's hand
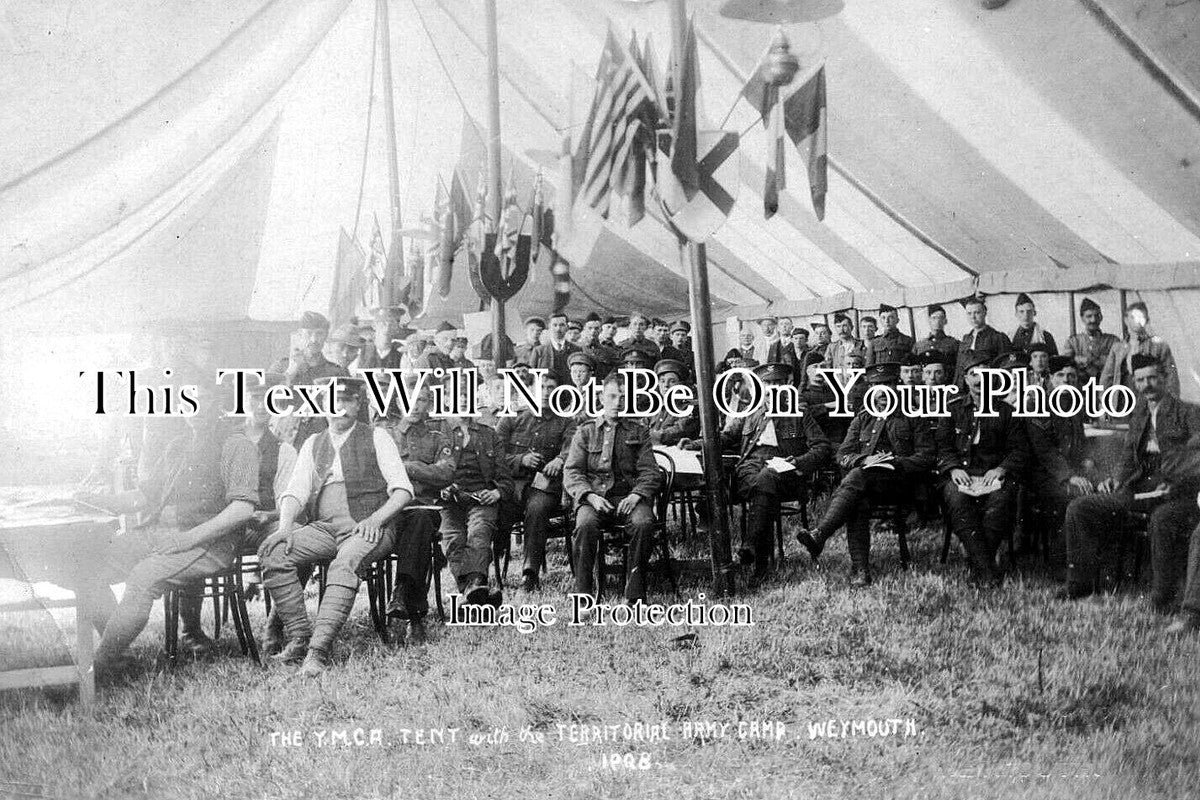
(370, 529)
(284, 535)
(1082, 484)
(960, 477)
(532, 460)
(553, 468)
(601, 505)
(1107, 486)
(489, 497)
(994, 475)
(877, 458)
(628, 504)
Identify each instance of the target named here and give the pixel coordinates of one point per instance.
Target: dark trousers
(981, 523)
(762, 489)
(539, 507)
(851, 505)
(414, 551)
(1191, 591)
(587, 543)
(1170, 555)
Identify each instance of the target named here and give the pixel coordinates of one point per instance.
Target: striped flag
(801, 115)
(616, 132)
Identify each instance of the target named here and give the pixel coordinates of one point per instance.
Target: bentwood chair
(227, 585)
(614, 536)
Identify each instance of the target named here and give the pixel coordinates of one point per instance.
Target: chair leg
(668, 563)
(170, 618)
(779, 539)
(569, 541)
(241, 617)
(949, 532)
(376, 600)
(600, 570)
(218, 608)
(901, 524)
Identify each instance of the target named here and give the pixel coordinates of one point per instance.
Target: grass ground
(1003, 693)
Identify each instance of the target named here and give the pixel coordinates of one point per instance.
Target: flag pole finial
(781, 64)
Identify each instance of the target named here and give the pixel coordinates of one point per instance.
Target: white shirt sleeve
(300, 486)
(388, 456)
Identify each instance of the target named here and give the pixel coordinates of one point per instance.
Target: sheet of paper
(881, 465)
(1150, 495)
(687, 462)
(780, 465)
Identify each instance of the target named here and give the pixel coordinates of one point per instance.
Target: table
(44, 538)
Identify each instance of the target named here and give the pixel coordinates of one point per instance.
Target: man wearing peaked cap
(605, 355)
(758, 438)
(306, 363)
(665, 428)
(534, 328)
(885, 460)
(1028, 330)
(438, 356)
(1090, 347)
(679, 349)
(574, 331)
(891, 345)
(1016, 359)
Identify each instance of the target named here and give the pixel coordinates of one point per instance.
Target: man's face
(1135, 320)
(1039, 362)
(845, 328)
(533, 333)
(868, 328)
(1148, 383)
(444, 341)
(1091, 320)
(890, 320)
(612, 398)
(678, 338)
(421, 405)
(311, 340)
(934, 374)
(348, 405)
(974, 380)
(637, 326)
(608, 330)
(558, 328)
(573, 335)
(666, 381)
(1067, 376)
(591, 330)
(661, 333)
(910, 374)
(937, 321)
(977, 315)
(854, 361)
(549, 384)
(767, 326)
(814, 374)
(824, 335)
(1025, 315)
(786, 326)
(580, 375)
(457, 349)
(747, 339)
(799, 339)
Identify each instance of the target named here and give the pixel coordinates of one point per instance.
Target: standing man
(388, 346)
(678, 348)
(523, 353)
(759, 438)
(840, 349)
(610, 474)
(439, 356)
(891, 346)
(553, 355)
(982, 343)
(1090, 349)
(638, 325)
(1028, 330)
(1158, 462)
(1141, 341)
(574, 331)
(605, 355)
(767, 336)
(867, 327)
(350, 482)
(885, 460)
(975, 454)
(536, 448)
(824, 339)
(937, 340)
(786, 326)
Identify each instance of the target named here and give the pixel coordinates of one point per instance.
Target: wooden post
(396, 251)
(495, 200)
(1071, 312)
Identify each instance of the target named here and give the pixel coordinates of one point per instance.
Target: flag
(481, 226)
(801, 115)
(683, 120)
(374, 270)
(511, 219)
(613, 131)
(347, 279)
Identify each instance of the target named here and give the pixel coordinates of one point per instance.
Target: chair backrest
(667, 465)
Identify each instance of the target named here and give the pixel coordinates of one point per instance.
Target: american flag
(618, 128)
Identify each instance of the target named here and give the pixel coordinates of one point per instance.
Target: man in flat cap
(1159, 464)
(937, 339)
(1090, 347)
(343, 345)
(552, 354)
(910, 370)
(387, 349)
(605, 355)
(678, 348)
(608, 331)
(535, 447)
(758, 439)
(1028, 330)
(1118, 368)
(845, 343)
(665, 428)
(458, 355)
(980, 454)
(981, 343)
(534, 326)
(583, 369)
(350, 482)
(611, 474)
(891, 346)
(574, 331)
(884, 460)
(439, 356)
(795, 355)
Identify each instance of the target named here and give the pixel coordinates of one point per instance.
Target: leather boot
(858, 542)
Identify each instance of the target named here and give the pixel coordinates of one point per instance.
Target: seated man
(1158, 460)
(885, 459)
(207, 486)
(479, 482)
(1189, 617)
(610, 474)
(350, 481)
(536, 447)
(428, 461)
(666, 428)
(992, 450)
(759, 438)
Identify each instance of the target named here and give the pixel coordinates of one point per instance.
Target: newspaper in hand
(977, 488)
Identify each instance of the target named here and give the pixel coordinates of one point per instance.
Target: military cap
(634, 355)
(1141, 361)
(816, 326)
(975, 358)
(1023, 300)
(932, 356)
(884, 372)
(1138, 306)
(1013, 360)
(346, 335)
(838, 319)
(461, 340)
(1088, 304)
(610, 321)
(1059, 363)
(311, 320)
(592, 317)
(541, 323)
(682, 327)
(1037, 347)
(774, 372)
(670, 365)
(935, 308)
(574, 325)
(767, 317)
(885, 308)
(446, 326)
(579, 357)
(343, 384)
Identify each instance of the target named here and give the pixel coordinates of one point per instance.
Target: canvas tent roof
(199, 159)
